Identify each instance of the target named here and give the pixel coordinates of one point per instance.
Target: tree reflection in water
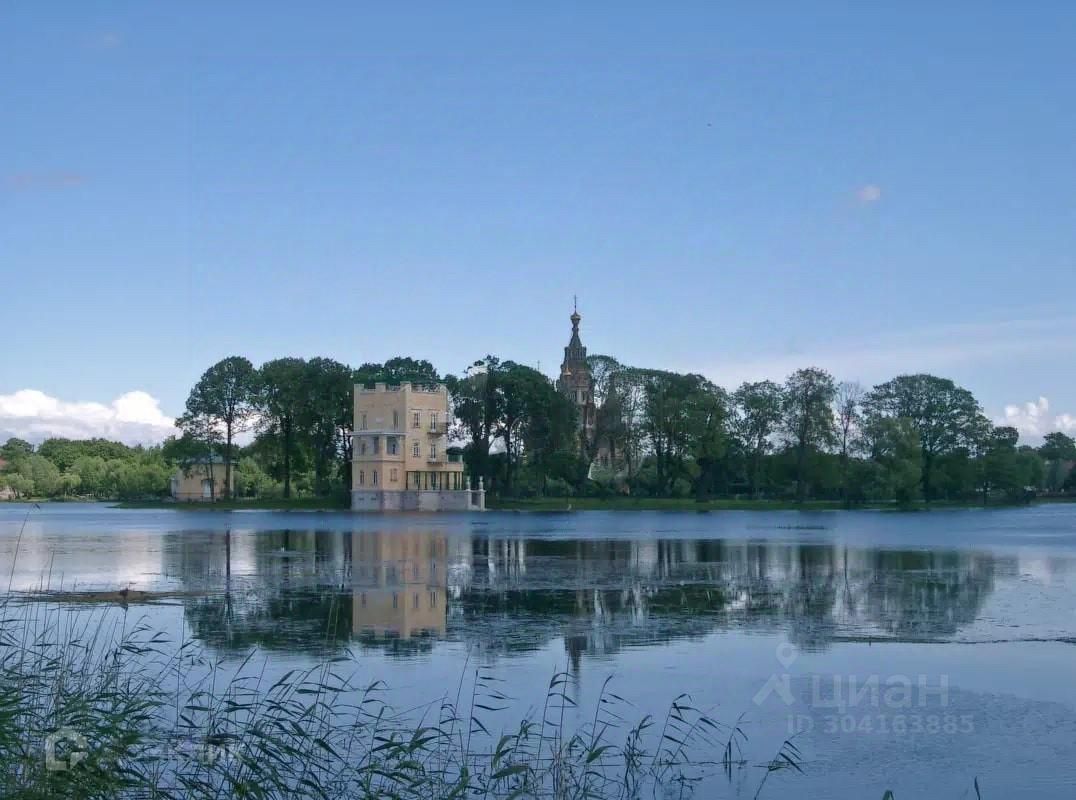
(401, 591)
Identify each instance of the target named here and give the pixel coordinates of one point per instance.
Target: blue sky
(731, 188)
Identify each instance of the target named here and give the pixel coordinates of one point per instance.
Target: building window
(433, 420)
(377, 445)
(362, 425)
(392, 445)
(414, 449)
(395, 599)
(373, 474)
(394, 475)
(395, 420)
(433, 452)
(364, 599)
(414, 601)
(415, 423)
(362, 447)
(362, 477)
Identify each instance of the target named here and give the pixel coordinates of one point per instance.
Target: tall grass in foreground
(91, 709)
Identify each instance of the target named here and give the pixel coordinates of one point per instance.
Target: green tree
(282, 396)
(946, 417)
(92, 472)
(683, 417)
(808, 418)
(758, 415)
(252, 481)
(848, 413)
(15, 450)
(64, 452)
(1057, 446)
(224, 398)
(43, 473)
(326, 417)
(476, 401)
(895, 447)
(999, 467)
(401, 369)
(1058, 450)
(69, 482)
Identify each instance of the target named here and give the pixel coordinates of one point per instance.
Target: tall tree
(522, 391)
(282, 396)
(808, 418)
(326, 416)
(476, 401)
(679, 413)
(1057, 446)
(894, 447)
(225, 397)
(946, 417)
(848, 412)
(758, 414)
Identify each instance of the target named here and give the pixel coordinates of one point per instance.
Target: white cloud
(1033, 419)
(869, 194)
(134, 418)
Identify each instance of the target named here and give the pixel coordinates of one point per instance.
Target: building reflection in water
(399, 583)
(404, 589)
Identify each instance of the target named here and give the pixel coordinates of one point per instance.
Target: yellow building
(400, 458)
(201, 482)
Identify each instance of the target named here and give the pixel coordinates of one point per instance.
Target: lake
(912, 652)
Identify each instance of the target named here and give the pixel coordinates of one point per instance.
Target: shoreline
(576, 504)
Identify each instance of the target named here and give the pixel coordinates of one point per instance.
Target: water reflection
(403, 590)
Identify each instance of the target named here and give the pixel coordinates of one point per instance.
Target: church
(576, 382)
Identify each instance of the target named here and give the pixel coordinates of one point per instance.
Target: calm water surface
(913, 652)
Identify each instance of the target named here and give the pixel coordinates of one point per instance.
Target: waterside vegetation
(660, 438)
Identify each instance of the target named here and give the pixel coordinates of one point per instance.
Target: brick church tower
(575, 381)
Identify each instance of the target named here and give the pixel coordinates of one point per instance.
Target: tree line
(654, 433)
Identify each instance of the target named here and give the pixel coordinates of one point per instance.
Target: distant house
(201, 481)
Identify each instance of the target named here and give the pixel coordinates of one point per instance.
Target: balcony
(437, 428)
(445, 458)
